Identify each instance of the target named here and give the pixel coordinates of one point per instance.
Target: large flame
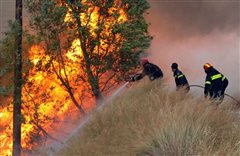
(45, 100)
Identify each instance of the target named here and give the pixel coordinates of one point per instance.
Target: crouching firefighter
(180, 79)
(151, 70)
(215, 83)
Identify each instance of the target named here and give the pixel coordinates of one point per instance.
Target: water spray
(86, 120)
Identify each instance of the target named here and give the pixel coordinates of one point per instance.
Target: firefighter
(215, 83)
(151, 70)
(180, 78)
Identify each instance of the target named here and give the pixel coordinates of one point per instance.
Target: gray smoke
(192, 33)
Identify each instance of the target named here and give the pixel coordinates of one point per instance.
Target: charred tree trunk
(17, 83)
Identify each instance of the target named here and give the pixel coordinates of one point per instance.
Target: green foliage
(136, 8)
(7, 46)
(7, 49)
(47, 20)
(3, 91)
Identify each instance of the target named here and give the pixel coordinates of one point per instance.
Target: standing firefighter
(215, 84)
(151, 70)
(180, 78)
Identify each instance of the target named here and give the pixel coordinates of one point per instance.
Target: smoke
(192, 33)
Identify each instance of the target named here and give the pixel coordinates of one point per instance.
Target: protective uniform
(215, 83)
(180, 78)
(151, 70)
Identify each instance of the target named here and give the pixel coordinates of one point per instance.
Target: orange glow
(45, 99)
(75, 51)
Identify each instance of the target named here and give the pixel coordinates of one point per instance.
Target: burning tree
(104, 37)
(82, 48)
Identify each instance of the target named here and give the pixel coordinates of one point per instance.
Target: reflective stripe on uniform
(217, 76)
(223, 78)
(180, 76)
(207, 82)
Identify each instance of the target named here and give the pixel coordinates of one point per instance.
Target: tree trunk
(17, 84)
(75, 101)
(98, 96)
(93, 81)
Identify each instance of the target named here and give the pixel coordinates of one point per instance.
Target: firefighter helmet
(174, 65)
(207, 66)
(144, 61)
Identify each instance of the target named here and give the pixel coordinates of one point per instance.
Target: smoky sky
(188, 17)
(192, 33)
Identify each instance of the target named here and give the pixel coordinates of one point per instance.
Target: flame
(75, 51)
(6, 137)
(45, 100)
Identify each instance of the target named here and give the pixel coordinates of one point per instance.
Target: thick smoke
(192, 33)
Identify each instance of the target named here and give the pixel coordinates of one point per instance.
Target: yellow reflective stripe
(223, 78)
(207, 82)
(180, 76)
(214, 77)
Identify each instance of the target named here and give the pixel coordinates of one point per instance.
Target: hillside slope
(149, 120)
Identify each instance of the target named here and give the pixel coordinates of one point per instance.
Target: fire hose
(199, 86)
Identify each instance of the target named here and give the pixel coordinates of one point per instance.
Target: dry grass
(150, 121)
